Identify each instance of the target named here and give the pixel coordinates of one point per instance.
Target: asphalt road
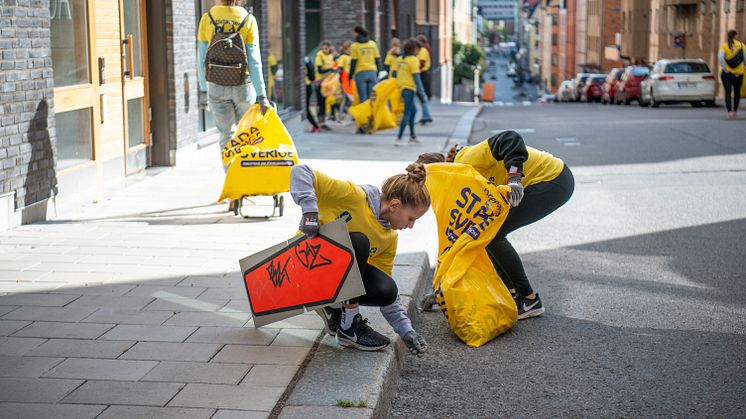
(642, 274)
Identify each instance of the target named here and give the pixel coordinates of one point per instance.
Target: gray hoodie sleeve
(302, 188)
(397, 317)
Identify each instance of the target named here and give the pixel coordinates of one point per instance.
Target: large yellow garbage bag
(259, 157)
(469, 211)
(375, 114)
(362, 113)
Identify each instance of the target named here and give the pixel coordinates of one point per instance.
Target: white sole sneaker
(344, 341)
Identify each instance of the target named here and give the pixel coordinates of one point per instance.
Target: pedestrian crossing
(501, 103)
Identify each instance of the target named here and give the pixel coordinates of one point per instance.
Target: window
(69, 27)
(554, 59)
(687, 67)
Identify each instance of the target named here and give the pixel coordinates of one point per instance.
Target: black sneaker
(361, 336)
(331, 317)
(529, 308)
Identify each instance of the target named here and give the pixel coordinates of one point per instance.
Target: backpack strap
(243, 22)
(212, 20)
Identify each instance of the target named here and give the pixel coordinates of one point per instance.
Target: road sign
(301, 274)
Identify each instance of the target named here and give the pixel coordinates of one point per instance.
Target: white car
(564, 91)
(677, 81)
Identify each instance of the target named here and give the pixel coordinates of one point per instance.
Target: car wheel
(641, 102)
(626, 100)
(710, 103)
(654, 103)
(694, 104)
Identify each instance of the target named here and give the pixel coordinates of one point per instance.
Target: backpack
(226, 61)
(736, 59)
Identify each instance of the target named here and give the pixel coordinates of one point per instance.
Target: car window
(583, 79)
(684, 68)
(619, 75)
(640, 71)
(599, 79)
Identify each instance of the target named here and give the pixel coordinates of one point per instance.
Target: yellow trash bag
(362, 113)
(374, 114)
(469, 211)
(259, 157)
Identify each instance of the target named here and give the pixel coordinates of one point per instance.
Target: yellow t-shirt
(343, 61)
(325, 61)
(424, 56)
(406, 68)
(341, 199)
(225, 16)
(729, 53)
(271, 62)
(390, 61)
(365, 53)
(539, 167)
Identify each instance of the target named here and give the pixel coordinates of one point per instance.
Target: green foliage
(347, 403)
(465, 58)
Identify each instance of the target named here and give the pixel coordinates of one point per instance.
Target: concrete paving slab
(81, 348)
(224, 293)
(326, 412)
(211, 281)
(306, 321)
(239, 414)
(240, 305)
(37, 299)
(227, 319)
(270, 375)
(262, 355)
(111, 302)
(98, 289)
(198, 372)
(50, 314)
(149, 333)
(127, 316)
(142, 412)
(219, 396)
(157, 291)
(8, 327)
(15, 276)
(185, 304)
(6, 309)
(63, 330)
(23, 366)
(124, 392)
(49, 410)
(297, 337)
(18, 346)
(170, 351)
(234, 335)
(36, 390)
(101, 369)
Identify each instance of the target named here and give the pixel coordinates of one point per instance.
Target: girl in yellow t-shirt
(407, 75)
(731, 57)
(540, 183)
(372, 218)
(389, 63)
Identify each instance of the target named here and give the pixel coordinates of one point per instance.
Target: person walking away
(310, 77)
(731, 58)
(365, 62)
(539, 184)
(374, 216)
(407, 75)
(389, 63)
(229, 91)
(424, 54)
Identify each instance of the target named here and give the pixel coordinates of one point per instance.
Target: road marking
(568, 141)
(526, 103)
(509, 104)
(518, 130)
(500, 103)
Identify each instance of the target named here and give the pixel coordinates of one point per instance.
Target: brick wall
(181, 29)
(26, 117)
(338, 19)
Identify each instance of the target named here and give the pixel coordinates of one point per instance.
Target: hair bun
(416, 172)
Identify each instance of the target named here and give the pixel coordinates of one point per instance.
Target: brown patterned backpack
(226, 61)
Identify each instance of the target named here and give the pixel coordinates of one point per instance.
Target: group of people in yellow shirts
(360, 60)
(539, 183)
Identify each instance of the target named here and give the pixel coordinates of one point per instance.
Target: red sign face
(307, 272)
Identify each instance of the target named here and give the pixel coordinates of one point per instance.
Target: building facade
(635, 31)
(496, 10)
(604, 22)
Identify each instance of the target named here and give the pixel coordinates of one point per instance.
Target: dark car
(628, 88)
(609, 86)
(593, 91)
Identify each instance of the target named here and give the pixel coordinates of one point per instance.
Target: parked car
(592, 90)
(577, 85)
(677, 81)
(609, 87)
(564, 91)
(628, 88)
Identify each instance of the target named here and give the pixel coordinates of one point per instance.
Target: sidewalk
(134, 306)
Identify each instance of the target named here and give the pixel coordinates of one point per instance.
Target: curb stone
(335, 373)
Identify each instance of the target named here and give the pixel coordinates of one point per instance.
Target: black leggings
(380, 289)
(731, 83)
(309, 115)
(538, 201)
